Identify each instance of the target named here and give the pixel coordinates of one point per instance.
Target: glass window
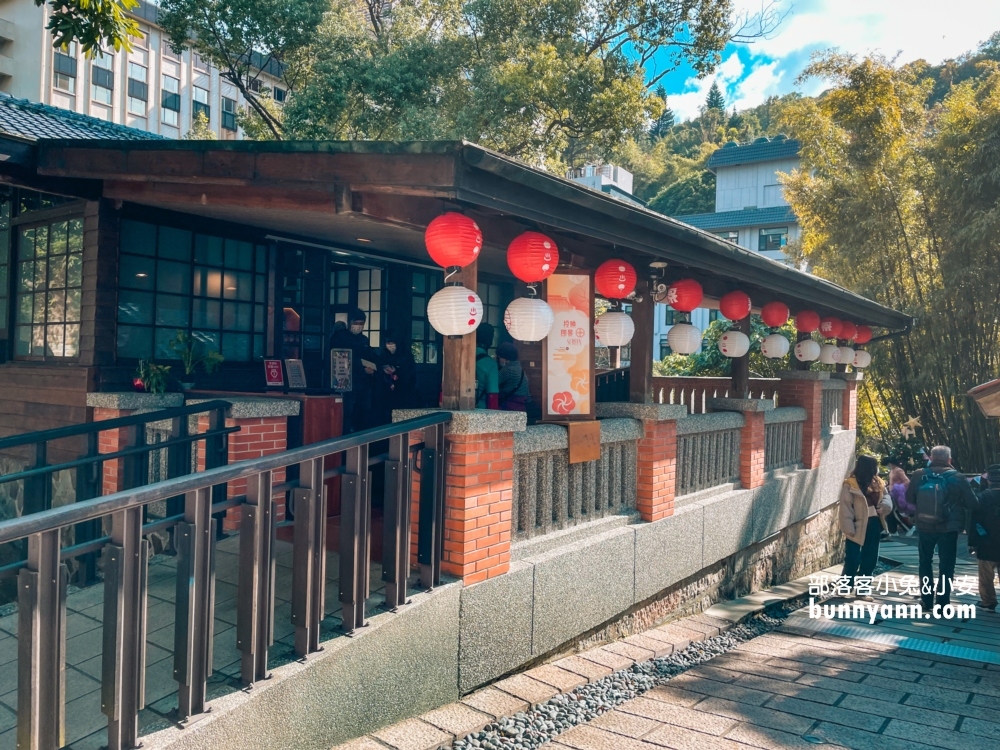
(209, 286)
(228, 113)
(495, 301)
(731, 236)
(168, 52)
(102, 76)
(4, 267)
(64, 68)
(773, 239)
(49, 281)
(200, 103)
(424, 341)
(370, 302)
(199, 62)
(669, 315)
(170, 100)
(280, 94)
(138, 89)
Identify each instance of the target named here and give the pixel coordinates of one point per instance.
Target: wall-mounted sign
(296, 373)
(272, 373)
(568, 363)
(341, 365)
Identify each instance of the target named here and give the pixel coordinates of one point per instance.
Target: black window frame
(64, 64)
(423, 337)
(279, 94)
(229, 115)
(772, 232)
(102, 77)
(171, 101)
(138, 90)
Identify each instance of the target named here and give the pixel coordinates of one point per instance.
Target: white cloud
(686, 104)
(756, 87)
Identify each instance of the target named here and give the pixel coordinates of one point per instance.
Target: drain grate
(899, 641)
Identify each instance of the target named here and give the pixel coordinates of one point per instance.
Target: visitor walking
(901, 518)
(984, 538)
(513, 382)
(863, 504)
(358, 401)
(940, 496)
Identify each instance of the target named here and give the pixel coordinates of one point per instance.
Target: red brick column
(752, 442)
(849, 405)
(804, 388)
(112, 441)
(656, 469)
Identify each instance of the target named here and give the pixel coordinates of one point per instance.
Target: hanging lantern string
(532, 290)
(449, 272)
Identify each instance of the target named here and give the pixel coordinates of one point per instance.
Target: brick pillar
(849, 405)
(804, 388)
(656, 470)
(752, 443)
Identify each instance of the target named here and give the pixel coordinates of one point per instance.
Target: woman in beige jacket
(861, 513)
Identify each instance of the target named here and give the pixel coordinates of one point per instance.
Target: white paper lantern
(862, 359)
(846, 355)
(684, 338)
(528, 319)
(774, 346)
(734, 343)
(829, 354)
(614, 329)
(455, 311)
(807, 350)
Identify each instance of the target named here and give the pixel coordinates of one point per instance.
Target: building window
(173, 279)
(494, 304)
(170, 100)
(370, 303)
(199, 62)
(201, 103)
(425, 342)
(64, 69)
(773, 239)
(138, 89)
(141, 41)
(4, 267)
(228, 113)
(102, 77)
(49, 281)
(713, 315)
(254, 85)
(169, 54)
(279, 94)
(669, 315)
(664, 347)
(731, 236)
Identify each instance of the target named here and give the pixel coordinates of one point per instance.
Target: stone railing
(695, 392)
(550, 494)
(708, 451)
(783, 437)
(833, 397)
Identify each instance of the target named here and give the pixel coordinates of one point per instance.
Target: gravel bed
(530, 729)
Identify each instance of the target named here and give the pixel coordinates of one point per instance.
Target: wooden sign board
(296, 373)
(584, 439)
(341, 370)
(273, 376)
(568, 351)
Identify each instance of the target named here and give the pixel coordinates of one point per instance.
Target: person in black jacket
(396, 379)
(984, 539)
(943, 535)
(358, 403)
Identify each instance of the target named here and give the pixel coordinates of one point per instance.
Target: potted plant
(191, 355)
(151, 378)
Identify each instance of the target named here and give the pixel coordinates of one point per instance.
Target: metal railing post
(194, 622)
(430, 530)
(217, 454)
(309, 557)
(41, 646)
(255, 606)
(355, 532)
(38, 489)
(396, 521)
(89, 484)
(123, 665)
(178, 465)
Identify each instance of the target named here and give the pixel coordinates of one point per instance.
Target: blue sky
(905, 29)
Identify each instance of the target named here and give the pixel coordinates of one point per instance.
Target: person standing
(941, 496)
(357, 403)
(513, 382)
(395, 382)
(863, 504)
(902, 512)
(984, 539)
(487, 375)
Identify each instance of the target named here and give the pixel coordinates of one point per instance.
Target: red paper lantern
(615, 279)
(863, 336)
(532, 257)
(830, 328)
(848, 330)
(807, 321)
(735, 305)
(774, 314)
(453, 239)
(685, 295)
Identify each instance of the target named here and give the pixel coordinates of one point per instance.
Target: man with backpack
(487, 373)
(941, 496)
(984, 539)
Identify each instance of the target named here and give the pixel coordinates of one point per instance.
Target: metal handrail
(88, 510)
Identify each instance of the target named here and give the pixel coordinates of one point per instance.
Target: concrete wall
(751, 185)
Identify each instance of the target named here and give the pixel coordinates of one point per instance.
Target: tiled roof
(33, 121)
(763, 149)
(748, 217)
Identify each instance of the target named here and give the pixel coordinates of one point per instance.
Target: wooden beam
(458, 379)
(741, 365)
(641, 371)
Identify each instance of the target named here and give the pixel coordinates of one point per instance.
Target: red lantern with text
(615, 279)
(532, 257)
(848, 330)
(685, 295)
(774, 314)
(807, 321)
(453, 239)
(829, 328)
(735, 305)
(863, 336)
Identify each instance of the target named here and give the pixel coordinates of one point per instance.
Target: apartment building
(151, 88)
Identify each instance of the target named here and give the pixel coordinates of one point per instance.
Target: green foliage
(153, 376)
(94, 24)
(662, 124)
(711, 362)
(907, 452)
(900, 202)
(715, 99)
(200, 129)
(694, 194)
(191, 354)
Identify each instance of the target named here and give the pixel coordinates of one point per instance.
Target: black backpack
(931, 500)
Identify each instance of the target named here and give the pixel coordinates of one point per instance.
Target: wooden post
(741, 365)
(641, 371)
(615, 356)
(458, 380)
(796, 364)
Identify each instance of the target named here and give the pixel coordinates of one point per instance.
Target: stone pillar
(112, 406)
(849, 405)
(752, 436)
(263, 424)
(656, 461)
(804, 388)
